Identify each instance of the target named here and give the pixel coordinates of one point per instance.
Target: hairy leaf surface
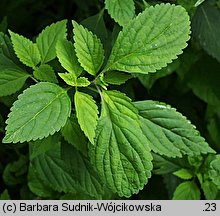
(121, 153)
(187, 191)
(169, 132)
(67, 171)
(89, 49)
(67, 57)
(122, 11)
(215, 171)
(54, 172)
(25, 50)
(87, 114)
(37, 186)
(40, 111)
(85, 175)
(47, 40)
(45, 73)
(82, 82)
(71, 80)
(210, 190)
(183, 173)
(151, 40)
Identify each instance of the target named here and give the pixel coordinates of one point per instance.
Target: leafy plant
(87, 138)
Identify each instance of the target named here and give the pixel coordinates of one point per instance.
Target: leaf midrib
(16, 131)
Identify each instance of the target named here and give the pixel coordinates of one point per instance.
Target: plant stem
(34, 79)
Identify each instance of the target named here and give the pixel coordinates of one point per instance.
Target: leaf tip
(7, 139)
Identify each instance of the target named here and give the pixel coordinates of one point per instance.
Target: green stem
(99, 91)
(102, 72)
(34, 79)
(93, 89)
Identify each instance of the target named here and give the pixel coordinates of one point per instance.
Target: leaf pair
(126, 133)
(67, 57)
(43, 51)
(146, 44)
(87, 53)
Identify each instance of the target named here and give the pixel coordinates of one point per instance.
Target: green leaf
(163, 165)
(40, 111)
(87, 114)
(121, 103)
(45, 73)
(71, 80)
(37, 186)
(210, 190)
(96, 25)
(70, 173)
(151, 40)
(39, 147)
(74, 135)
(82, 82)
(185, 174)
(6, 63)
(116, 78)
(214, 171)
(206, 28)
(6, 49)
(67, 57)
(47, 40)
(148, 80)
(68, 78)
(187, 191)
(15, 171)
(5, 195)
(121, 153)
(54, 172)
(169, 132)
(207, 86)
(11, 80)
(25, 50)
(89, 49)
(85, 175)
(122, 11)
(195, 161)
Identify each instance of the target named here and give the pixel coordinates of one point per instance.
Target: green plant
(86, 137)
